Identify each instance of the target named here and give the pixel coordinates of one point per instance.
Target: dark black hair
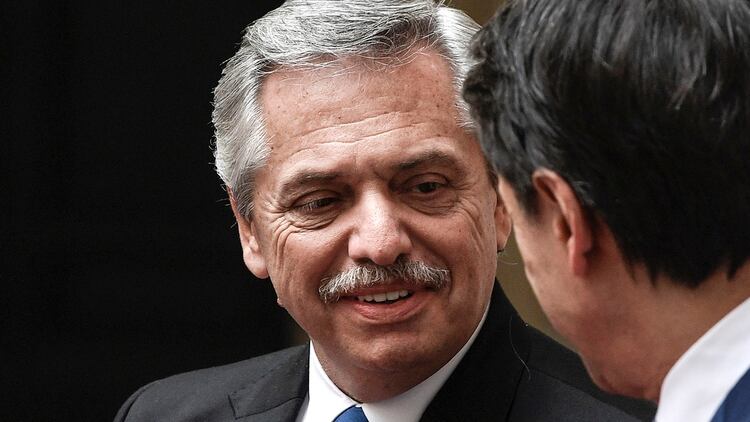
(643, 106)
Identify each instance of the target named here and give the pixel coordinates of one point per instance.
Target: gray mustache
(414, 273)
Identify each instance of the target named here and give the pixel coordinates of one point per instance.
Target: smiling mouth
(385, 297)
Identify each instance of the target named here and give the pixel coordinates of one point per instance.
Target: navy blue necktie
(352, 414)
(736, 406)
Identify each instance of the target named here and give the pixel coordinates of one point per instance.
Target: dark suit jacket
(511, 373)
(736, 405)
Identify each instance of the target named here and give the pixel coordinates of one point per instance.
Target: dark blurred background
(121, 263)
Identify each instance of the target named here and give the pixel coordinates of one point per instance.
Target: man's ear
(569, 220)
(503, 223)
(251, 253)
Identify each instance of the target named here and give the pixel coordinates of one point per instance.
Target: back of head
(315, 33)
(643, 106)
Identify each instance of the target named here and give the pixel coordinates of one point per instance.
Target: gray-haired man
(360, 190)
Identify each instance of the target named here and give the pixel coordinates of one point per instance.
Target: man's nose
(378, 235)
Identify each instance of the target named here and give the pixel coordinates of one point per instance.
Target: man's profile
(621, 132)
(360, 190)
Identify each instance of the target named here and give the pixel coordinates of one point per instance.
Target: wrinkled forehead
(296, 101)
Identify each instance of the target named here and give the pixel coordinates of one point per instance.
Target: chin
(614, 382)
(392, 358)
(603, 382)
(398, 355)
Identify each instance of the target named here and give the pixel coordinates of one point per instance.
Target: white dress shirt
(325, 401)
(697, 384)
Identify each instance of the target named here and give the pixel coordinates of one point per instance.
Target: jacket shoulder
(204, 394)
(557, 383)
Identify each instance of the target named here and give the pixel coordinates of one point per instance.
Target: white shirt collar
(697, 384)
(325, 401)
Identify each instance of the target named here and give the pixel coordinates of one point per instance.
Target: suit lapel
(736, 405)
(277, 395)
(483, 385)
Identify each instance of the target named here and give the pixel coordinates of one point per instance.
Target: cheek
(469, 243)
(459, 242)
(534, 268)
(527, 248)
(303, 260)
(477, 222)
(299, 267)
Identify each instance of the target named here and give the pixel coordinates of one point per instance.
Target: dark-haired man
(621, 131)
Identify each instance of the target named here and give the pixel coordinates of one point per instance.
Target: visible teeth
(382, 297)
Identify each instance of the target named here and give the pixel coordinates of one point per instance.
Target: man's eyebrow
(306, 177)
(427, 157)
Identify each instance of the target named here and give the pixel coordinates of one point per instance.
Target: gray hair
(414, 273)
(315, 33)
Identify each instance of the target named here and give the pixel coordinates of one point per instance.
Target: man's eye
(427, 187)
(316, 204)
(430, 193)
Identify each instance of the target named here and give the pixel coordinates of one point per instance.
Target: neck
(679, 316)
(368, 386)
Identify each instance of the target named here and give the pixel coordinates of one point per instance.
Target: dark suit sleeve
(123, 413)
(267, 388)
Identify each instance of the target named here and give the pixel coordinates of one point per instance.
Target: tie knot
(352, 414)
